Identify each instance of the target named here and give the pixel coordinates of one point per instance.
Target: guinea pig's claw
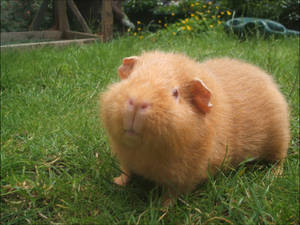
(277, 171)
(121, 180)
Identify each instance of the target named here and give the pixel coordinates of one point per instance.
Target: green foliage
(290, 15)
(141, 6)
(16, 15)
(56, 166)
(286, 12)
(256, 8)
(189, 16)
(155, 14)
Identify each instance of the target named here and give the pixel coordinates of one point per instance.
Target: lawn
(56, 166)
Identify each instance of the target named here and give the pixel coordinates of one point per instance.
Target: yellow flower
(165, 25)
(186, 20)
(134, 34)
(208, 11)
(211, 26)
(173, 14)
(192, 15)
(203, 18)
(139, 29)
(213, 17)
(159, 21)
(192, 5)
(188, 27)
(129, 30)
(209, 3)
(138, 22)
(197, 3)
(141, 37)
(204, 6)
(219, 22)
(174, 33)
(219, 16)
(183, 28)
(197, 17)
(183, 21)
(217, 7)
(222, 13)
(228, 13)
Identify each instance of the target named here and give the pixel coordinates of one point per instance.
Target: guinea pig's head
(155, 102)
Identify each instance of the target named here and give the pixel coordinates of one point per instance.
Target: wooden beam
(63, 23)
(107, 20)
(49, 43)
(79, 17)
(39, 16)
(76, 35)
(30, 35)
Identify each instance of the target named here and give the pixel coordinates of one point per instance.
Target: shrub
(16, 15)
(192, 16)
(290, 15)
(283, 11)
(140, 10)
(154, 14)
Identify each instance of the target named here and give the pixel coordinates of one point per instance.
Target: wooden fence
(62, 35)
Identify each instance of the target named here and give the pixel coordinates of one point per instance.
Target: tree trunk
(107, 20)
(62, 17)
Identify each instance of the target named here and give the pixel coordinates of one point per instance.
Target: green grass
(56, 166)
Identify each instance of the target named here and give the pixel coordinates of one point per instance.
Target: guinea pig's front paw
(169, 198)
(168, 202)
(122, 180)
(277, 170)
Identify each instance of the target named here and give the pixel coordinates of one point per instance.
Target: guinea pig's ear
(127, 66)
(200, 95)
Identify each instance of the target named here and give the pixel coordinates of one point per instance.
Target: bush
(16, 15)
(282, 11)
(192, 16)
(154, 14)
(138, 10)
(290, 15)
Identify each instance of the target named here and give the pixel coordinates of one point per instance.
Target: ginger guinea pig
(174, 121)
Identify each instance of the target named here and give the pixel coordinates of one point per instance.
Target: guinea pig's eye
(175, 93)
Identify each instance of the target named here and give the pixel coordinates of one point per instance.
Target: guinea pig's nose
(134, 105)
(135, 114)
(144, 105)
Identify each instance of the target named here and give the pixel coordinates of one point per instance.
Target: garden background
(56, 166)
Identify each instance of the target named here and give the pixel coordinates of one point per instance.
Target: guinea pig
(175, 121)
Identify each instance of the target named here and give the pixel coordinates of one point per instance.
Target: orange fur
(169, 140)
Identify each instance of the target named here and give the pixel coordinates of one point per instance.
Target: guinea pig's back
(259, 119)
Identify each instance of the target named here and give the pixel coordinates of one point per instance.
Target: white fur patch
(203, 84)
(132, 57)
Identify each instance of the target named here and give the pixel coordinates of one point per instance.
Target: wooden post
(39, 16)
(63, 23)
(107, 20)
(79, 17)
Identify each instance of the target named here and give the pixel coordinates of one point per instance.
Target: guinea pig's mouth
(131, 132)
